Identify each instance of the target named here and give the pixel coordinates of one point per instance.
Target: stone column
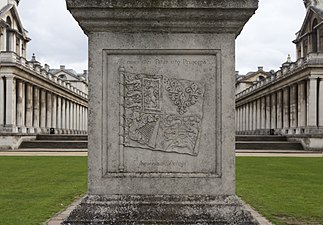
(29, 108)
(258, 113)
(280, 109)
(263, 113)
(69, 118)
(273, 111)
(64, 113)
(11, 104)
(54, 112)
(43, 110)
(268, 110)
(243, 117)
(82, 118)
(312, 102)
(156, 179)
(320, 100)
(286, 112)
(239, 119)
(36, 113)
(302, 104)
(293, 106)
(254, 117)
(49, 109)
(250, 115)
(21, 101)
(78, 117)
(59, 114)
(2, 106)
(247, 116)
(74, 117)
(86, 119)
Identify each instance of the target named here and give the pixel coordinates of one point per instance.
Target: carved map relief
(160, 113)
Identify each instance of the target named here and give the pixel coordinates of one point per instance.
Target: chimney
(260, 68)
(62, 67)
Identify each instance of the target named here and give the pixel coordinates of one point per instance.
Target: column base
(160, 209)
(30, 130)
(8, 129)
(22, 130)
(44, 130)
(37, 130)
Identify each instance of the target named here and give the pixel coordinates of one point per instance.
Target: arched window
(314, 35)
(62, 76)
(8, 37)
(260, 78)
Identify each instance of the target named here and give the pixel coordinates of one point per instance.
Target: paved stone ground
(59, 217)
(16, 153)
(83, 153)
(256, 154)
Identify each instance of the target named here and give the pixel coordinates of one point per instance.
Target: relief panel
(149, 125)
(167, 114)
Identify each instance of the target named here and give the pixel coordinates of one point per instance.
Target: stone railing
(37, 69)
(311, 59)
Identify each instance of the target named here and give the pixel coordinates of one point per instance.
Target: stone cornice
(168, 16)
(162, 4)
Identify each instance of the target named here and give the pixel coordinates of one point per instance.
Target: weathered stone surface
(161, 122)
(160, 209)
(176, 16)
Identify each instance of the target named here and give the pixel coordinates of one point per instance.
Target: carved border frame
(218, 118)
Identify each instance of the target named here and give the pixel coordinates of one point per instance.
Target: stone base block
(160, 209)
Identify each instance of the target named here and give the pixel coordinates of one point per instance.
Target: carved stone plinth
(160, 209)
(161, 119)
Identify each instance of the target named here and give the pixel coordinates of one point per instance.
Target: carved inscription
(161, 113)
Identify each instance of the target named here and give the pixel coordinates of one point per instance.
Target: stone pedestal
(161, 119)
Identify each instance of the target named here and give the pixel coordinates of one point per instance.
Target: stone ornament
(149, 125)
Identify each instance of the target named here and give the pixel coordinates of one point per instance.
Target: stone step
(52, 144)
(260, 138)
(81, 137)
(264, 145)
(276, 151)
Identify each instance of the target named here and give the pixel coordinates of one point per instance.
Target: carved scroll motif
(157, 122)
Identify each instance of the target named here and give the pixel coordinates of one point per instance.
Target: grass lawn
(32, 189)
(285, 190)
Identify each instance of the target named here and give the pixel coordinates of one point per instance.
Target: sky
(266, 40)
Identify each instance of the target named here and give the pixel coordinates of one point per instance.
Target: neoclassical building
(290, 102)
(33, 98)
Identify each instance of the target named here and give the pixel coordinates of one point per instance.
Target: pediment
(13, 12)
(312, 13)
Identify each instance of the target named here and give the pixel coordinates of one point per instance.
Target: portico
(32, 100)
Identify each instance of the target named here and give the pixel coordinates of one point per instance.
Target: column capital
(10, 76)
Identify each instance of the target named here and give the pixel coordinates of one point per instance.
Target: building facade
(33, 99)
(290, 102)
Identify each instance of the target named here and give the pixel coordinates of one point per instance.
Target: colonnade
(291, 109)
(26, 107)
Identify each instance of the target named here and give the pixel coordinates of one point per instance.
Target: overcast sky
(265, 41)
